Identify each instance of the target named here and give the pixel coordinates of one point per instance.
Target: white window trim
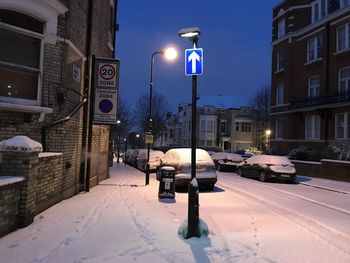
(346, 124)
(44, 10)
(313, 127)
(276, 133)
(347, 42)
(309, 85)
(339, 80)
(279, 87)
(317, 56)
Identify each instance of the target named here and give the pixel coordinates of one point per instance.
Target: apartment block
(310, 85)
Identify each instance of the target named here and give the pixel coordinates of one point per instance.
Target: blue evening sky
(236, 39)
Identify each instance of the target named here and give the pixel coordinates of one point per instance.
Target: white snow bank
(20, 144)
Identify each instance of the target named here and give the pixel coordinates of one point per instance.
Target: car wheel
(262, 176)
(239, 171)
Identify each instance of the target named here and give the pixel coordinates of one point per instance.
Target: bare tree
(261, 104)
(125, 117)
(160, 107)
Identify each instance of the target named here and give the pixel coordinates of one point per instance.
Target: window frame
(313, 127)
(32, 34)
(280, 61)
(280, 94)
(345, 127)
(313, 86)
(279, 130)
(281, 28)
(314, 47)
(346, 37)
(347, 80)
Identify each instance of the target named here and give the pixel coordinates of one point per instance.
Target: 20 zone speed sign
(107, 75)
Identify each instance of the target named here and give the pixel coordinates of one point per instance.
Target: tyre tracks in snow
(326, 232)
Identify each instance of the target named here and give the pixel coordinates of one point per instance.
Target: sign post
(106, 86)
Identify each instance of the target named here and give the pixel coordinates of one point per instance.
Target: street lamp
(118, 139)
(192, 34)
(268, 134)
(170, 54)
(125, 149)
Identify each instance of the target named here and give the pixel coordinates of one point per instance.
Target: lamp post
(125, 149)
(118, 139)
(268, 134)
(170, 54)
(193, 211)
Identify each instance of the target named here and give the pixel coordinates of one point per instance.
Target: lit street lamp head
(190, 32)
(170, 53)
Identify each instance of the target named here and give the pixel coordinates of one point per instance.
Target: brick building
(310, 73)
(45, 52)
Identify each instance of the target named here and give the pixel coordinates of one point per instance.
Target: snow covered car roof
(183, 156)
(152, 154)
(227, 156)
(269, 159)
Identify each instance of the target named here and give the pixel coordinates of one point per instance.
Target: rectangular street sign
(106, 85)
(194, 61)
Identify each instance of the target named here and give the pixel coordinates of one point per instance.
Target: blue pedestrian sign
(194, 61)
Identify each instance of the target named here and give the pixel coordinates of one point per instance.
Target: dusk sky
(235, 37)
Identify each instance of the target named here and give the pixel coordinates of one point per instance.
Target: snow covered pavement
(122, 220)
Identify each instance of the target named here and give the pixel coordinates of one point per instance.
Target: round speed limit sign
(107, 75)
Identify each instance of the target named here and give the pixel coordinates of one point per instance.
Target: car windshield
(269, 159)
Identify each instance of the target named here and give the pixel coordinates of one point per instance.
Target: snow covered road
(121, 220)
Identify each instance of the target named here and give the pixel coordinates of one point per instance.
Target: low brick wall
(9, 203)
(49, 188)
(326, 169)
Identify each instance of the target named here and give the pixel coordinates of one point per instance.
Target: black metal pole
(150, 114)
(193, 206)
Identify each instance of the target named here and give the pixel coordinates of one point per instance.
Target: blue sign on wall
(194, 61)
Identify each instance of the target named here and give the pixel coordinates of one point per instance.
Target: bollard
(193, 209)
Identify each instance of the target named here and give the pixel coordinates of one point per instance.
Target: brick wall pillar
(20, 158)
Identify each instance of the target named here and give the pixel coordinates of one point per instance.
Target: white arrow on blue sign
(194, 61)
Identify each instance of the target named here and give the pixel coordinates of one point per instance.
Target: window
(280, 94)
(344, 3)
(281, 28)
(210, 126)
(279, 128)
(320, 9)
(343, 37)
(246, 127)
(20, 49)
(344, 80)
(237, 127)
(314, 86)
(342, 126)
(280, 60)
(202, 143)
(209, 143)
(312, 127)
(223, 127)
(202, 129)
(314, 49)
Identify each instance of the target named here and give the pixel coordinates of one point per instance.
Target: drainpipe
(87, 126)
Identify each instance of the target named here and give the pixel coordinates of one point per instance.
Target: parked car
(265, 167)
(180, 159)
(127, 156)
(154, 160)
(226, 161)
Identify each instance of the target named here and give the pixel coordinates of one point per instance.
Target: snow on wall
(20, 144)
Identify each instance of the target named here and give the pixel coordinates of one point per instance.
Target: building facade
(222, 125)
(45, 53)
(310, 73)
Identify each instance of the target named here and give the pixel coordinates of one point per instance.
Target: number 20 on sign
(106, 75)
